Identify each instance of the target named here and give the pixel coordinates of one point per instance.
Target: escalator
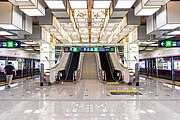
(105, 64)
(73, 66)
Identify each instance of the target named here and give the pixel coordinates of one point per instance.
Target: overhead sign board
(10, 44)
(169, 43)
(89, 49)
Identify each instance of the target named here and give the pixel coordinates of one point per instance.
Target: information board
(10, 44)
(89, 49)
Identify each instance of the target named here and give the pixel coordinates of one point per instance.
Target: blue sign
(10, 44)
(89, 49)
(169, 43)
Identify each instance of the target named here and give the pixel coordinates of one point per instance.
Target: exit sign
(169, 43)
(10, 44)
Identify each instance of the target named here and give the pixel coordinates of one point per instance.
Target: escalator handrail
(68, 65)
(101, 73)
(60, 55)
(111, 66)
(115, 69)
(77, 73)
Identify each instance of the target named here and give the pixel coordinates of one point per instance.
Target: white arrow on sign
(16, 44)
(163, 43)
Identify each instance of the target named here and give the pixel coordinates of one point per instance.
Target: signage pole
(172, 68)
(137, 73)
(42, 75)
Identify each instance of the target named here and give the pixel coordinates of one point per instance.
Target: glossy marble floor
(90, 100)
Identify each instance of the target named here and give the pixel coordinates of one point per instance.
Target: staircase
(89, 70)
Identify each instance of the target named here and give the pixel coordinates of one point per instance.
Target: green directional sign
(168, 43)
(75, 49)
(96, 49)
(10, 44)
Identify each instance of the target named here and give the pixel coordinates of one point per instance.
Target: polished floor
(90, 100)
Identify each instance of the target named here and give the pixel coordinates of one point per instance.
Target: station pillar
(47, 53)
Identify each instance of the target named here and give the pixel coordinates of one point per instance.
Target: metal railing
(77, 74)
(101, 73)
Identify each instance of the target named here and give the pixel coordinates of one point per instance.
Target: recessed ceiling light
(32, 12)
(174, 33)
(155, 2)
(9, 27)
(5, 33)
(55, 4)
(169, 26)
(125, 3)
(28, 111)
(147, 11)
(102, 4)
(23, 2)
(31, 43)
(151, 111)
(76, 4)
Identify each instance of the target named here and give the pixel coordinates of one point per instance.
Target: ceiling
(82, 22)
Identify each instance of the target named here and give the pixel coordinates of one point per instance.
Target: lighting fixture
(147, 11)
(85, 40)
(154, 45)
(76, 4)
(174, 33)
(155, 2)
(141, 10)
(151, 111)
(24, 45)
(169, 26)
(23, 2)
(142, 111)
(13, 37)
(37, 10)
(125, 3)
(36, 111)
(28, 111)
(30, 43)
(29, 49)
(105, 4)
(5, 33)
(55, 4)
(11, 16)
(167, 37)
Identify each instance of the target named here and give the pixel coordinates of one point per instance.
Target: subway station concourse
(89, 60)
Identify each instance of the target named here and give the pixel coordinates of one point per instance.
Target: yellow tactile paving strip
(112, 83)
(123, 91)
(3, 83)
(174, 83)
(17, 80)
(89, 72)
